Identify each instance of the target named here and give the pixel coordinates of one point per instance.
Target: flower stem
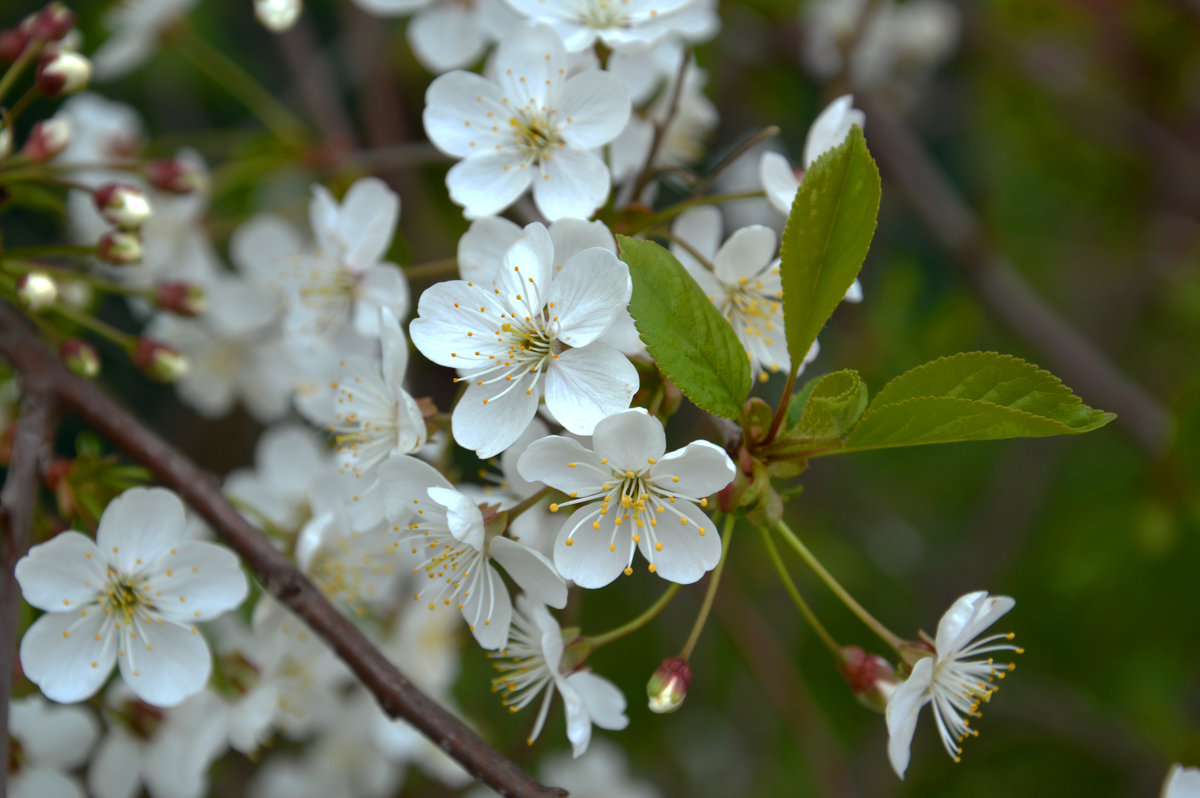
(667, 214)
(595, 641)
(801, 604)
(31, 51)
(878, 628)
(431, 269)
(711, 592)
(784, 400)
(121, 339)
(526, 503)
(238, 82)
(731, 158)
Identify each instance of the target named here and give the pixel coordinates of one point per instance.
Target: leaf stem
(799, 601)
(595, 641)
(781, 410)
(878, 628)
(711, 593)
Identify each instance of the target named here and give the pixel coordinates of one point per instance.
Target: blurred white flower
(45, 742)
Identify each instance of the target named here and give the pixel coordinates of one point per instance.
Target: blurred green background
(1073, 130)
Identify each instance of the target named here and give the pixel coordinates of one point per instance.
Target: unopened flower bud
(184, 299)
(13, 42)
(5, 140)
(175, 175)
(52, 23)
(668, 685)
(159, 361)
(870, 676)
(119, 247)
(63, 73)
(123, 205)
(48, 138)
(37, 290)
(277, 15)
(80, 357)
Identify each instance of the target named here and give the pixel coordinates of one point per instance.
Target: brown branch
(396, 695)
(1006, 294)
(31, 450)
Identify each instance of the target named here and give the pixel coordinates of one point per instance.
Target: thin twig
(31, 450)
(396, 695)
(314, 85)
(1003, 291)
(660, 132)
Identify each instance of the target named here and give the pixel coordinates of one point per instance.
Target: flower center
(535, 135)
(125, 597)
(601, 14)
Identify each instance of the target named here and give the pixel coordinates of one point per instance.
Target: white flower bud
(48, 138)
(119, 247)
(63, 73)
(37, 291)
(5, 140)
(125, 206)
(277, 15)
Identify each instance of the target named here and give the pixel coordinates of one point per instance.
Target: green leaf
(826, 239)
(832, 406)
(974, 396)
(684, 332)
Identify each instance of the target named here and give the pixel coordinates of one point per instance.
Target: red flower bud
(13, 42)
(63, 73)
(175, 176)
(37, 291)
(185, 299)
(48, 138)
(51, 23)
(80, 357)
(668, 685)
(123, 205)
(159, 361)
(119, 247)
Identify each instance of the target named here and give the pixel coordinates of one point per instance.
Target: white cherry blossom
(743, 282)
(530, 666)
(629, 23)
(532, 127)
(533, 331)
(443, 531)
(136, 26)
(633, 496)
(46, 741)
(131, 597)
(1182, 782)
(953, 683)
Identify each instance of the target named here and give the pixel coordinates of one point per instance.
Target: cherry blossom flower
(448, 34)
(531, 665)
(534, 322)
(446, 536)
(45, 742)
(619, 25)
(633, 497)
(532, 126)
(743, 282)
(130, 597)
(954, 684)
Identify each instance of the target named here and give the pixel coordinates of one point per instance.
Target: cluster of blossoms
(308, 329)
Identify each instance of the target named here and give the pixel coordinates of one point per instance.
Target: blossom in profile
(443, 531)
(627, 24)
(531, 665)
(131, 597)
(949, 679)
(532, 127)
(633, 496)
(533, 331)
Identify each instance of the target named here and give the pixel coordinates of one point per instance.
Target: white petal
(530, 66)
(903, 707)
(481, 249)
(532, 572)
(456, 118)
(395, 348)
(446, 36)
(379, 287)
(572, 236)
(779, 181)
(322, 217)
(406, 478)
(366, 221)
(585, 386)
(115, 771)
(572, 183)
(34, 782)
(166, 663)
(546, 461)
(463, 518)
(58, 650)
(488, 610)
(527, 268)
(197, 582)
(64, 572)
(703, 469)
(604, 701)
(745, 255)
(700, 227)
(60, 737)
(488, 182)
(595, 557)
(450, 325)
(140, 524)
(589, 292)
(831, 127)
(966, 618)
(489, 423)
(259, 246)
(597, 105)
(630, 440)
(689, 550)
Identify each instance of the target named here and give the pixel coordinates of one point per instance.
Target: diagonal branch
(396, 694)
(30, 452)
(1003, 291)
